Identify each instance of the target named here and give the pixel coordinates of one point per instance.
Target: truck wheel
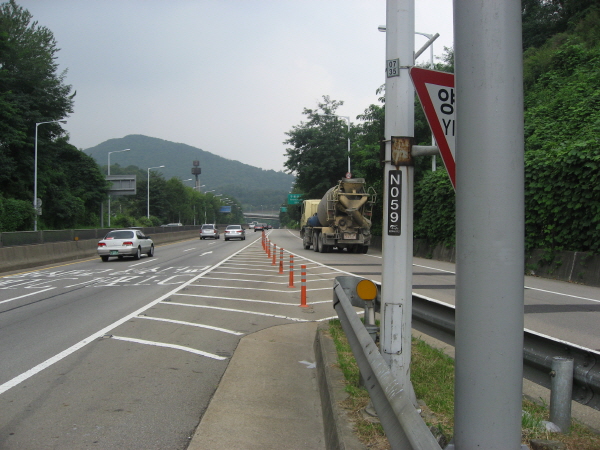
(365, 248)
(316, 246)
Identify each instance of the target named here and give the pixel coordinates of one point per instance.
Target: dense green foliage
(32, 92)
(562, 125)
(170, 201)
(319, 149)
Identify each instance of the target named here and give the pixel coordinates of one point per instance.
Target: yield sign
(436, 93)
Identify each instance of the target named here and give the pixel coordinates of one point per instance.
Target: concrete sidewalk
(268, 397)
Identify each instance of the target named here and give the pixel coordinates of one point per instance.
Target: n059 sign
(394, 202)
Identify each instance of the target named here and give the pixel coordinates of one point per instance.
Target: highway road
(127, 354)
(566, 311)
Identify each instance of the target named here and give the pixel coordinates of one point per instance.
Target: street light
(149, 169)
(116, 151)
(348, 119)
(35, 199)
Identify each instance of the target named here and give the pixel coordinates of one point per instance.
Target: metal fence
(404, 427)
(11, 239)
(538, 353)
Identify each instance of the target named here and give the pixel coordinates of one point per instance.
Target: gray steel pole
(489, 224)
(35, 164)
(35, 171)
(396, 285)
(148, 198)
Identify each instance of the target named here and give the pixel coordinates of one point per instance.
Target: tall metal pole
(489, 224)
(431, 66)
(116, 151)
(35, 205)
(148, 199)
(35, 171)
(398, 239)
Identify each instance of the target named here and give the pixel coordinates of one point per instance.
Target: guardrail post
(291, 283)
(303, 287)
(561, 392)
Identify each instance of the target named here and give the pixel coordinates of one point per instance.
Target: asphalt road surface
(127, 354)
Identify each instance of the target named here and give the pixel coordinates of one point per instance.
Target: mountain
(251, 185)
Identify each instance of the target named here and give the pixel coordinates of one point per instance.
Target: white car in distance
(121, 243)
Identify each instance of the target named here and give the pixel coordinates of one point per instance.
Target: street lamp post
(116, 151)
(348, 119)
(35, 201)
(149, 169)
(430, 36)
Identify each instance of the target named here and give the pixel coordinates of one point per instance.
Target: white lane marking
(454, 273)
(334, 317)
(277, 316)
(258, 289)
(189, 249)
(56, 358)
(205, 253)
(564, 295)
(241, 299)
(26, 295)
(435, 268)
(191, 324)
(246, 281)
(177, 347)
(142, 282)
(144, 262)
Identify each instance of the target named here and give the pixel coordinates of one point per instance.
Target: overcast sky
(227, 76)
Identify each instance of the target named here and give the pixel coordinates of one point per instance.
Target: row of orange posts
(266, 243)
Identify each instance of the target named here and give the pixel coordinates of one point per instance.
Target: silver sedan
(235, 232)
(122, 243)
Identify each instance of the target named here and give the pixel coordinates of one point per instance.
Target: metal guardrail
(404, 427)
(538, 351)
(14, 238)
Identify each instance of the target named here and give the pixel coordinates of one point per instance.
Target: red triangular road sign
(436, 93)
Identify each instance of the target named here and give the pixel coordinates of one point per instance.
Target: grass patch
(432, 376)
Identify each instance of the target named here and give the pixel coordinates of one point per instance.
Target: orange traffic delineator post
(274, 255)
(291, 284)
(303, 287)
(268, 244)
(281, 260)
(263, 240)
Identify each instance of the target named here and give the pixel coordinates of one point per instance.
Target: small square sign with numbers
(393, 67)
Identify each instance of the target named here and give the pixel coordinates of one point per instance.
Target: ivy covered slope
(562, 145)
(562, 141)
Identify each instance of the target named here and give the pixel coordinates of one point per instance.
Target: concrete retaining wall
(26, 256)
(574, 267)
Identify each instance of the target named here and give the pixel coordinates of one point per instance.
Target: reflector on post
(366, 290)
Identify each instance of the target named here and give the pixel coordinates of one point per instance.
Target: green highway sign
(294, 199)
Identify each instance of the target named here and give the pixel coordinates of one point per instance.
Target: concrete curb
(339, 433)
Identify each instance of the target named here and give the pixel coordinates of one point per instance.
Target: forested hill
(250, 185)
(177, 159)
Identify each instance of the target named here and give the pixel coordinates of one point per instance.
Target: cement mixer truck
(340, 220)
